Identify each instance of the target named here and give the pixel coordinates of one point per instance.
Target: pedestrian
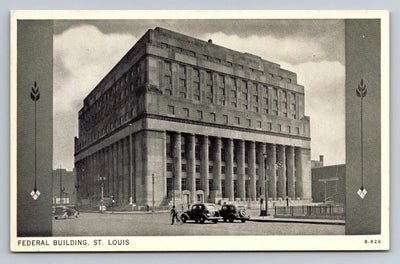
(174, 215)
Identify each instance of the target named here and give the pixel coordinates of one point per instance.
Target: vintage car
(232, 212)
(201, 212)
(64, 212)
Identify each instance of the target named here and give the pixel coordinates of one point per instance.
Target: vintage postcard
(199, 130)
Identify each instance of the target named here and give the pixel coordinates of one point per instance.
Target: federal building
(179, 120)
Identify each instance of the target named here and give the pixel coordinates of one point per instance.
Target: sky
(85, 51)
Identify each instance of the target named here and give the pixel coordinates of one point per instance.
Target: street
(159, 224)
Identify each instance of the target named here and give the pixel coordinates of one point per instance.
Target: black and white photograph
(199, 130)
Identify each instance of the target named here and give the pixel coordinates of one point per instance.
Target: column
(282, 171)
(299, 173)
(120, 171)
(217, 167)
(131, 159)
(229, 170)
(271, 173)
(261, 150)
(290, 172)
(115, 172)
(106, 176)
(177, 164)
(191, 167)
(241, 170)
(252, 169)
(204, 167)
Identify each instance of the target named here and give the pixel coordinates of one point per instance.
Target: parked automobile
(201, 212)
(232, 212)
(64, 212)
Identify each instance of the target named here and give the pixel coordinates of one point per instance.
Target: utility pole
(60, 185)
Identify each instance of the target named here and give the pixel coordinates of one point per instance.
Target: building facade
(64, 187)
(329, 184)
(184, 120)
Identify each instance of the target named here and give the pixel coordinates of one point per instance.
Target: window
(225, 119)
(197, 168)
(234, 170)
(183, 184)
(269, 126)
(200, 114)
(249, 122)
(279, 128)
(288, 129)
(223, 169)
(213, 117)
(259, 124)
(169, 166)
(167, 66)
(171, 110)
(237, 120)
(298, 130)
(210, 168)
(186, 112)
(169, 146)
(183, 168)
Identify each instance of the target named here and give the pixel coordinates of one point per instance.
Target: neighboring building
(328, 184)
(64, 187)
(318, 163)
(186, 120)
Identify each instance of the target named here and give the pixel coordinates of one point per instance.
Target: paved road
(158, 224)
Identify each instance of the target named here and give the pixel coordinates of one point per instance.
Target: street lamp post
(266, 184)
(102, 179)
(60, 186)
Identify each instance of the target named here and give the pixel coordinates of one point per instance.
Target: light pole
(60, 186)
(102, 179)
(130, 167)
(266, 184)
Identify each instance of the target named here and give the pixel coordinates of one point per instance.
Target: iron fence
(310, 210)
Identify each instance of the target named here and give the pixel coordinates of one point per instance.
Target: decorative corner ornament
(35, 194)
(35, 96)
(362, 192)
(361, 91)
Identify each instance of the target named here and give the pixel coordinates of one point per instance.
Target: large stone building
(185, 120)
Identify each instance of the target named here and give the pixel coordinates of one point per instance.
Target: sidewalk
(298, 220)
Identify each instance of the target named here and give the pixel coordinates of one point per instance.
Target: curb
(300, 221)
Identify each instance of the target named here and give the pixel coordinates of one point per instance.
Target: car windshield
(211, 207)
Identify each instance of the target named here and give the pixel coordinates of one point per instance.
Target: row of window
(170, 168)
(220, 61)
(113, 98)
(198, 114)
(184, 186)
(250, 92)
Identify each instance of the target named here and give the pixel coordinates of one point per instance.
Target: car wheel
(215, 221)
(202, 219)
(231, 219)
(243, 220)
(242, 213)
(183, 218)
(225, 219)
